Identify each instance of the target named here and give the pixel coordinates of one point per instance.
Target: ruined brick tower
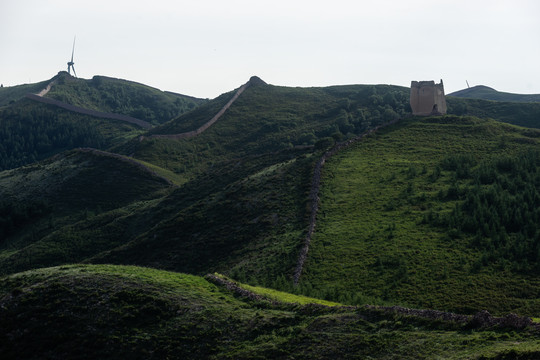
(427, 98)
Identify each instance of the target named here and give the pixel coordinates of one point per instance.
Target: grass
(487, 93)
(10, 94)
(219, 220)
(286, 297)
(121, 96)
(123, 311)
(370, 238)
(171, 176)
(522, 114)
(266, 119)
(94, 203)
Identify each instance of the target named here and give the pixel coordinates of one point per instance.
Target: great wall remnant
(427, 98)
(253, 81)
(40, 97)
(314, 195)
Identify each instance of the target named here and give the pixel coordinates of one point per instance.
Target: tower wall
(427, 98)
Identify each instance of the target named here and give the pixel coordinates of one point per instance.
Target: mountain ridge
(394, 220)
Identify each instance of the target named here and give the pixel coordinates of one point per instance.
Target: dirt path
(47, 89)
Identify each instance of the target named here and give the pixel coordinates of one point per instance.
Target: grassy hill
(88, 312)
(31, 131)
(522, 114)
(71, 207)
(240, 209)
(125, 97)
(267, 119)
(398, 218)
(10, 94)
(436, 213)
(487, 93)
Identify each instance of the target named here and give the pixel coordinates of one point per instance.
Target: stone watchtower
(427, 98)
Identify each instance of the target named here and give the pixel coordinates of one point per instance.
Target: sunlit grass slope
(111, 312)
(372, 237)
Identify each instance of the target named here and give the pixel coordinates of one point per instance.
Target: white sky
(206, 47)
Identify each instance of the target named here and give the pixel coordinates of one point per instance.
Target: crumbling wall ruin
(427, 98)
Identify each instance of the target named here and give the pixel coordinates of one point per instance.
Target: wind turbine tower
(71, 63)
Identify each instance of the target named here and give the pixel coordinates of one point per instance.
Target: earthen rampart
(80, 110)
(314, 195)
(252, 82)
(127, 160)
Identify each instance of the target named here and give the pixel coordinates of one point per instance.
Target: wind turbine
(71, 63)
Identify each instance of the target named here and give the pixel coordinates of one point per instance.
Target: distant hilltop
(487, 93)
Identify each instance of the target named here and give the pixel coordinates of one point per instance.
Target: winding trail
(314, 195)
(47, 89)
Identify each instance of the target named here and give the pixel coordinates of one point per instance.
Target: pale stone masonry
(427, 98)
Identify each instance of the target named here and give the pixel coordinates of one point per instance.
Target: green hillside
(487, 93)
(240, 209)
(433, 213)
(250, 209)
(111, 312)
(522, 114)
(70, 207)
(268, 118)
(244, 219)
(10, 94)
(125, 97)
(31, 131)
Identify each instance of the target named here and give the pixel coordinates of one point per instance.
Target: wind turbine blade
(74, 73)
(73, 50)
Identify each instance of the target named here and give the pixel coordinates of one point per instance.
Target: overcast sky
(206, 47)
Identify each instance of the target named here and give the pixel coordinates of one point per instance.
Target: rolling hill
(266, 119)
(121, 96)
(108, 312)
(522, 114)
(32, 131)
(487, 93)
(398, 218)
(438, 213)
(71, 206)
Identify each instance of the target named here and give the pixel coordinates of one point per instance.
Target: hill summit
(487, 93)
